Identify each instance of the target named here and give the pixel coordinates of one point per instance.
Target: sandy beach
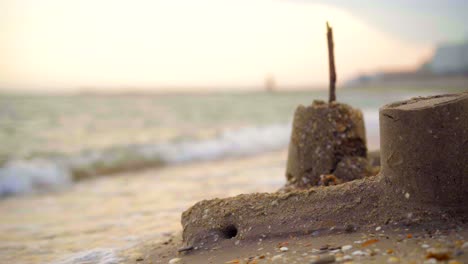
(96, 220)
(387, 244)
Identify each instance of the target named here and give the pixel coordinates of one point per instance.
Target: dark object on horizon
(270, 84)
(331, 63)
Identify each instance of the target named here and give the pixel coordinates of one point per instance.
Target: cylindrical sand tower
(424, 148)
(324, 137)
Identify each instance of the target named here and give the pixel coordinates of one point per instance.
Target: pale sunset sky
(67, 45)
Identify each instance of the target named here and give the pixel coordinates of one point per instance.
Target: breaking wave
(38, 174)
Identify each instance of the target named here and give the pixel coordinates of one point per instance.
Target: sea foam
(98, 256)
(32, 175)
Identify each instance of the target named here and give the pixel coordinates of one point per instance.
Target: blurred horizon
(196, 46)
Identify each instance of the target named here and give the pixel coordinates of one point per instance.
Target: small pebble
(315, 233)
(407, 195)
(430, 261)
(393, 260)
(174, 260)
(439, 254)
(378, 228)
(276, 257)
(324, 260)
(284, 249)
(346, 247)
(359, 253)
(465, 245)
(349, 228)
(425, 246)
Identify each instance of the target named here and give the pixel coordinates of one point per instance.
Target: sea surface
(50, 141)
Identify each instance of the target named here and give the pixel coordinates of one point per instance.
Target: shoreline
(116, 213)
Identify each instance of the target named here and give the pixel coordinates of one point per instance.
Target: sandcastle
(423, 176)
(328, 141)
(328, 146)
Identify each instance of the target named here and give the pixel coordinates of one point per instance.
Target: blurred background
(111, 87)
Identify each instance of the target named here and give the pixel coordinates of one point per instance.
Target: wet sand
(96, 219)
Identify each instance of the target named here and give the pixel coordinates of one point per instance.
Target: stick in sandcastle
(431, 185)
(328, 141)
(331, 62)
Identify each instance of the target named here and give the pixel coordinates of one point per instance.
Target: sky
(68, 45)
(423, 21)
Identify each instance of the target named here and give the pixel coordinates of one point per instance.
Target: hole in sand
(229, 231)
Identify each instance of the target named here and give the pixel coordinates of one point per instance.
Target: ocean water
(50, 141)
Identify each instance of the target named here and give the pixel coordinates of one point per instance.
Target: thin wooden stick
(331, 63)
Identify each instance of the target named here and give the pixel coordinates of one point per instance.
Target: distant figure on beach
(270, 84)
